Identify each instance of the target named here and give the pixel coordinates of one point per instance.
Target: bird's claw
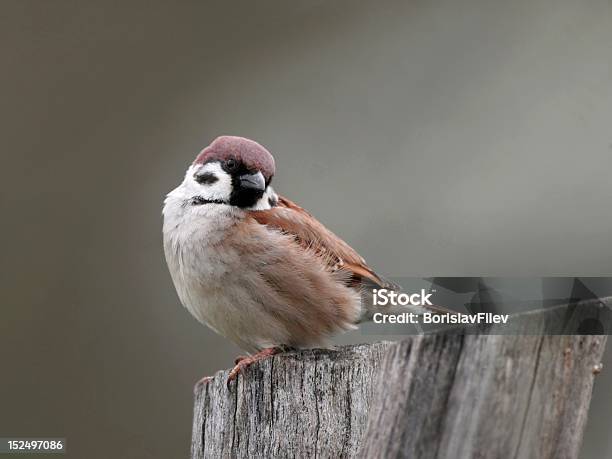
(235, 371)
(243, 362)
(240, 358)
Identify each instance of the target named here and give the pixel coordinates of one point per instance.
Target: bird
(253, 265)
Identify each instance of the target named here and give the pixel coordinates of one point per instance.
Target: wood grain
(442, 396)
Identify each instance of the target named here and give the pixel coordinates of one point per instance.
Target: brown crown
(250, 153)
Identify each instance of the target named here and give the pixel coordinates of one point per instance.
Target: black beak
(247, 189)
(252, 182)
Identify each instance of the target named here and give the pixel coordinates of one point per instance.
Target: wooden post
(433, 396)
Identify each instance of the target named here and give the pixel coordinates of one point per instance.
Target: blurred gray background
(443, 137)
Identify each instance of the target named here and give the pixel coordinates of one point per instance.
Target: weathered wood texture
(304, 404)
(483, 397)
(434, 396)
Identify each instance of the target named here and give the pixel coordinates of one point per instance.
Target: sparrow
(254, 266)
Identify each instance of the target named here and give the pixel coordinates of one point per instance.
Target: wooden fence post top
(427, 396)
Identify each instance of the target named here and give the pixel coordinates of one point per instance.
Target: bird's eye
(231, 164)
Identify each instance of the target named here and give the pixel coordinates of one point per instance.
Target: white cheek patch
(190, 188)
(221, 189)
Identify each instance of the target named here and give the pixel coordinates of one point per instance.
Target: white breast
(208, 276)
(190, 234)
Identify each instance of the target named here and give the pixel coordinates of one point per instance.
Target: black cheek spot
(206, 178)
(272, 201)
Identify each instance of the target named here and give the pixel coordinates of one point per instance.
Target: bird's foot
(243, 362)
(202, 382)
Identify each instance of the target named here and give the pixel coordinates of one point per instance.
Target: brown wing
(291, 219)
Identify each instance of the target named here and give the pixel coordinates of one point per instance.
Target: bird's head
(233, 171)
